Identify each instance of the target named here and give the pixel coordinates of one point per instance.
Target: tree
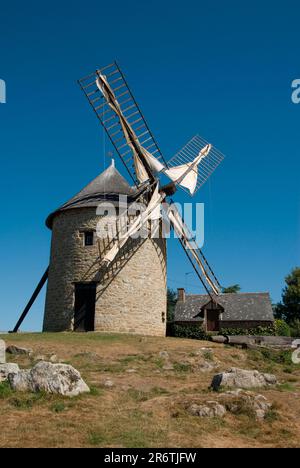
(171, 303)
(289, 307)
(235, 288)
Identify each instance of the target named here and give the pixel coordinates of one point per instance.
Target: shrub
(282, 328)
(295, 329)
(257, 331)
(186, 331)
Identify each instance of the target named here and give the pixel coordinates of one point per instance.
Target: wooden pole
(31, 301)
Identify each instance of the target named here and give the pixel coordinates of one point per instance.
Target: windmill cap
(106, 186)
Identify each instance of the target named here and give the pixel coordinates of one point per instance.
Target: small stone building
(129, 296)
(242, 310)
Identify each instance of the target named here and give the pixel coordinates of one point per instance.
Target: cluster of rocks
(239, 400)
(49, 377)
(235, 402)
(205, 361)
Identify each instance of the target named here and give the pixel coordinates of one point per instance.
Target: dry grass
(144, 408)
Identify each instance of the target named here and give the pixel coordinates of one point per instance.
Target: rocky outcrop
(245, 402)
(6, 369)
(211, 409)
(16, 350)
(51, 378)
(240, 378)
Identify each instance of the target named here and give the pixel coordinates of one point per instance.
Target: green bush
(282, 328)
(295, 329)
(186, 331)
(257, 331)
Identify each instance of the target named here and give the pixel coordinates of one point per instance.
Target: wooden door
(212, 320)
(84, 310)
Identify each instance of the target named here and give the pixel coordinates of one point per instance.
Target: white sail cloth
(151, 212)
(185, 175)
(183, 233)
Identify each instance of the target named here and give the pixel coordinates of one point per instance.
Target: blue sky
(220, 69)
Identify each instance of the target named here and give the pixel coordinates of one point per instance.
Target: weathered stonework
(133, 301)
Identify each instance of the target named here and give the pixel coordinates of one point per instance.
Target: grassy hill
(144, 403)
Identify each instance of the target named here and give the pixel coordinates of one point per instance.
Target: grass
(144, 408)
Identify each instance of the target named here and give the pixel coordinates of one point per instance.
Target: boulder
(2, 352)
(108, 383)
(51, 378)
(211, 409)
(13, 349)
(240, 378)
(6, 369)
(164, 354)
(241, 401)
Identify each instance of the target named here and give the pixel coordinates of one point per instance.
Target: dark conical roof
(106, 186)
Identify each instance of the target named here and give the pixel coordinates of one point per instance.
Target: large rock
(240, 378)
(6, 369)
(16, 350)
(211, 409)
(51, 378)
(2, 352)
(245, 402)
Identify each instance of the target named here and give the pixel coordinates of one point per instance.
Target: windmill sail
(201, 168)
(193, 252)
(186, 175)
(104, 108)
(152, 211)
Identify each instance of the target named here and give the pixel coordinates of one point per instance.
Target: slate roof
(241, 306)
(106, 186)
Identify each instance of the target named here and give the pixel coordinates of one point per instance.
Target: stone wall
(131, 301)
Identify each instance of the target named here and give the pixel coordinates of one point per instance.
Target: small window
(88, 238)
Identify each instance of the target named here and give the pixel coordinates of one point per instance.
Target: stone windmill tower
(130, 297)
(117, 281)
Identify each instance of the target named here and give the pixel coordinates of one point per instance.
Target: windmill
(119, 113)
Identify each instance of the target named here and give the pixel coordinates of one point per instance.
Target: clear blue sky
(223, 69)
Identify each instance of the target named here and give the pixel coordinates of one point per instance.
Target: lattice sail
(189, 153)
(110, 120)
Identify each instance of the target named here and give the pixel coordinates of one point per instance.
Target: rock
(164, 354)
(39, 357)
(211, 409)
(240, 378)
(53, 358)
(13, 349)
(2, 352)
(51, 378)
(168, 366)
(240, 401)
(207, 366)
(6, 369)
(108, 383)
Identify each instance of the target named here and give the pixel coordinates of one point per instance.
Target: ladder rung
(114, 81)
(116, 133)
(92, 92)
(112, 126)
(109, 119)
(131, 115)
(116, 89)
(129, 107)
(136, 121)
